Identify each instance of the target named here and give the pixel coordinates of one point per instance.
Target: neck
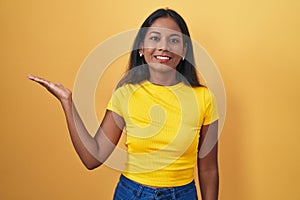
(165, 79)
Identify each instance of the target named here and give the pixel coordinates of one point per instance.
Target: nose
(163, 45)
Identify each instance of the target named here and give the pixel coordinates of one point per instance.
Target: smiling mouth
(162, 58)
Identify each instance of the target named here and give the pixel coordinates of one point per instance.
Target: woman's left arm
(207, 161)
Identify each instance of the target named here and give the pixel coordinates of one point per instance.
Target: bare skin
(163, 48)
(93, 151)
(208, 170)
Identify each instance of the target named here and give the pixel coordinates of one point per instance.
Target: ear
(185, 46)
(141, 48)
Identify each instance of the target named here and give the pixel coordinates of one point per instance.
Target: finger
(30, 76)
(36, 78)
(39, 80)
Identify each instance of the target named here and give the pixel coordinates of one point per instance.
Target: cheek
(148, 57)
(176, 61)
(178, 51)
(148, 53)
(177, 54)
(149, 44)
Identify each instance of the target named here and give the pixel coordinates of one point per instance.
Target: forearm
(93, 151)
(85, 145)
(209, 184)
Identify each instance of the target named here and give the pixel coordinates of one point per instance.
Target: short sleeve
(114, 103)
(211, 112)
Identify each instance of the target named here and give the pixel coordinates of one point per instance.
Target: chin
(159, 67)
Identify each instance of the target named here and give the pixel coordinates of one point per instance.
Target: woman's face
(163, 46)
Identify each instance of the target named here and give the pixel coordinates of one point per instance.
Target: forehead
(165, 25)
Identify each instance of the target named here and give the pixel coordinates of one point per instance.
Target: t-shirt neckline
(162, 87)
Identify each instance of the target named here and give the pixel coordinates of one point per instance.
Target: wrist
(66, 102)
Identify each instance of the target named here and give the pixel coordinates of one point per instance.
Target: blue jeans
(131, 190)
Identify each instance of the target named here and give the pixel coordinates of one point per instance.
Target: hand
(57, 89)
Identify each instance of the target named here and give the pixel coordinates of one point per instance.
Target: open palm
(57, 89)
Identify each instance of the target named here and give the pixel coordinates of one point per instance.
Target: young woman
(165, 112)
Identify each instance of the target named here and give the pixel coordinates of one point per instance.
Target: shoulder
(201, 90)
(204, 93)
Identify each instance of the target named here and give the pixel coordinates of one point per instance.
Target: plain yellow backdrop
(255, 45)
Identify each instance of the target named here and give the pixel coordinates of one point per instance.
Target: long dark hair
(138, 69)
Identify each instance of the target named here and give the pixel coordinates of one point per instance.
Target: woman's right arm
(93, 151)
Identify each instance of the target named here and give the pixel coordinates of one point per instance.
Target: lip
(162, 58)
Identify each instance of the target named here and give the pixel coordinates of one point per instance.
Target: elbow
(91, 163)
(92, 166)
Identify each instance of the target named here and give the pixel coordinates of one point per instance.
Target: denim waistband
(130, 184)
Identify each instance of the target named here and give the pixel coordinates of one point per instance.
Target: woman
(166, 113)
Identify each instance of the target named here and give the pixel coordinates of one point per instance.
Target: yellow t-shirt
(162, 125)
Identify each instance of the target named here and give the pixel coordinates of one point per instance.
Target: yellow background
(254, 43)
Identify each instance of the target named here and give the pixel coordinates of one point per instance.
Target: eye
(154, 38)
(174, 40)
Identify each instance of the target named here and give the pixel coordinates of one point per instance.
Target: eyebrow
(174, 34)
(155, 32)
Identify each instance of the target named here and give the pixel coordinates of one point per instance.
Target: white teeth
(162, 58)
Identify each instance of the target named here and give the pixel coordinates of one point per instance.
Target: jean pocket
(186, 193)
(123, 192)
